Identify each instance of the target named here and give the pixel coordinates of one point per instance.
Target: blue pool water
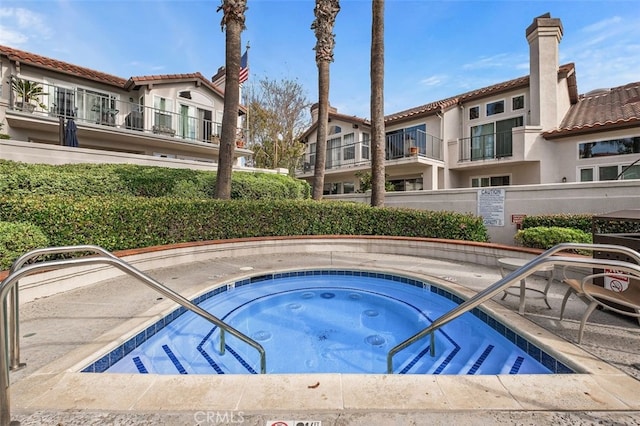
(341, 321)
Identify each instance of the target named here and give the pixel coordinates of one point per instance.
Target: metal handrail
(538, 263)
(18, 271)
(14, 312)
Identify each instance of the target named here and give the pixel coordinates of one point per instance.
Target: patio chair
(596, 295)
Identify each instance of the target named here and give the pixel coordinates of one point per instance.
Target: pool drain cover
(375, 340)
(262, 335)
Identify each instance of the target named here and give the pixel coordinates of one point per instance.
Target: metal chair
(596, 295)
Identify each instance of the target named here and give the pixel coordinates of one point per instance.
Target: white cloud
(10, 37)
(606, 53)
(496, 61)
(604, 25)
(18, 24)
(434, 80)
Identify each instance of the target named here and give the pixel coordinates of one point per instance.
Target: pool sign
(491, 206)
(613, 282)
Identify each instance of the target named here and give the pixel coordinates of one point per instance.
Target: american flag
(244, 68)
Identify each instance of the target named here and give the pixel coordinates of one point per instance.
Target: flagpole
(244, 95)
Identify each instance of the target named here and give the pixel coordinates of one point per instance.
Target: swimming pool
(328, 321)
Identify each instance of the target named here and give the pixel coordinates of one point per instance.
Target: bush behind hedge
(117, 223)
(543, 237)
(145, 181)
(18, 238)
(583, 222)
(575, 221)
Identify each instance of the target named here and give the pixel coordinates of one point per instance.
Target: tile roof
(60, 66)
(566, 71)
(164, 78)
(335, 115)
(97, 76)
(603, 109)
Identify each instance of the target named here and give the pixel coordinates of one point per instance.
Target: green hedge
(575, 221)
(145, 181)
(18, 238)
(542, 237)
(117, 223)
(582, 222)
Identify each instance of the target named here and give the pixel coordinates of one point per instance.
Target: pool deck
(62, 331)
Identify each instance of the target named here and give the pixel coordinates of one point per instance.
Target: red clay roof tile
(89, 74)
(602, 109)
(60, 66)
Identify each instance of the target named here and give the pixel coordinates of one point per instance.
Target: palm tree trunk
(323, 123)
(377, 104)
(325, 12)
(233, 23)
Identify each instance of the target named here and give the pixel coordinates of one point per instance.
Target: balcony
(486, 147)
(358, 155)
(415, 144)
(107, 112)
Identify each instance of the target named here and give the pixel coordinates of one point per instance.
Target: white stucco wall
(37, 153)
(587, 197)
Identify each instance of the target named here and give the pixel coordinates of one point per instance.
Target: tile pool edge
(545, 354)
(58, 388)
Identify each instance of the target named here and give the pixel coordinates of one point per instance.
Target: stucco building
(535, 129)
(172, 116)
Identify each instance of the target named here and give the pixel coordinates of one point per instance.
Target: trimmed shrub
(117, 223)
(71, 179)
(543, 237)
(18, 238)
(143, 181)
(575, 221)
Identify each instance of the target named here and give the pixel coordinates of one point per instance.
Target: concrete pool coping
(57, 386)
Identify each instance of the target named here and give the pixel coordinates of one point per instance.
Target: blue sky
(434, 49)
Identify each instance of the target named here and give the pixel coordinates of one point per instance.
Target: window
(586, 175)
(333, 153)
(407, 184)
(479, 182)
(474, 112)
(331, 188)
(333, 130)
(517, 103)
(630, 172)
(607, 173)
(312, 158)
(494, 140)
(64, 102)
(365, 146)
(482, 141)
(348, 187)
(98, 107)
(206, 124)
(162, 116)
(504, 135)
(349, 148)
(188, 123)
(609, 147)
(612, 172)
(495, 108)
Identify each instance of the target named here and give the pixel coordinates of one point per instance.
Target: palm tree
(233, 24)
(325, 12)
(377, 104)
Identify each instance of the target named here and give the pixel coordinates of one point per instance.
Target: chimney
(314, 112)
(544, 36)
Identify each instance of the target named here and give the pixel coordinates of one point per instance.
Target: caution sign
(615, 282)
